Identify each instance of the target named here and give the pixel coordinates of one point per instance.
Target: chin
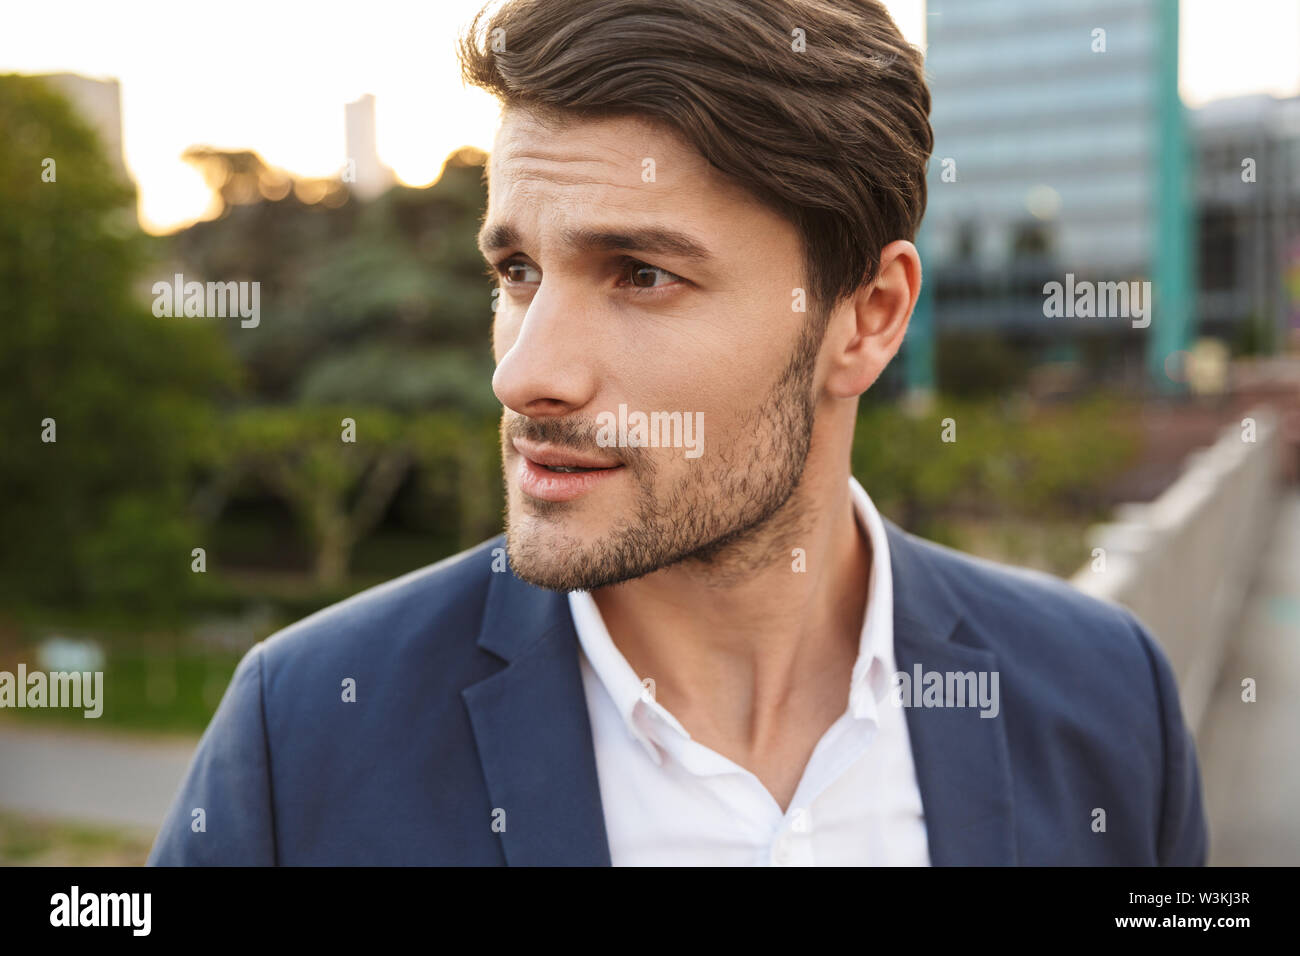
(534, 560)
(542, 550)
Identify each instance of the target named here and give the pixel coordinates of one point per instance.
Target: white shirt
(669, 800)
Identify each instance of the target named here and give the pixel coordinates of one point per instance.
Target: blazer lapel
(963, 763)
(533, 733)
(534, 737)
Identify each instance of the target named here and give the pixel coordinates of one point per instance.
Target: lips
(552, 473)
(553, 456)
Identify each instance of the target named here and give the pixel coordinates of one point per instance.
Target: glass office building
(1060, 155)
(1248, 199)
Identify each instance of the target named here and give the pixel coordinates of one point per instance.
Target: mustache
(573, 434)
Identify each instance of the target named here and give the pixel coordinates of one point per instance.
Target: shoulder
(1013, 606)
(1085, 689)
(373, 682)
(1065, 658)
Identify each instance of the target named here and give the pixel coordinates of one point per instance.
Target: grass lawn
(31, 841)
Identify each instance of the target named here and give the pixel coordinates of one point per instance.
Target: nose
(548, 368)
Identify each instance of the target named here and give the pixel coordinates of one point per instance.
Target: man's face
(632, 274)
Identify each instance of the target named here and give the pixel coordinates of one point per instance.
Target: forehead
(568, 173)
(571, 151)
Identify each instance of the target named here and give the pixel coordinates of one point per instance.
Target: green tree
(339, 468)
(100, 513)
(382, 302)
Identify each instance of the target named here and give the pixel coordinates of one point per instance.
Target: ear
(867, 329)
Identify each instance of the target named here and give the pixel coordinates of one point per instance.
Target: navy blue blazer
(469, 702)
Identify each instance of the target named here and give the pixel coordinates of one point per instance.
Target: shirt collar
(644, 717)
(630, 696)
(874, 667)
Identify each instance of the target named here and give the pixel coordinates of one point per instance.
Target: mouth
(551, 473)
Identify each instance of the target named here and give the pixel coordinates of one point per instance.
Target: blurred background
(173, 488)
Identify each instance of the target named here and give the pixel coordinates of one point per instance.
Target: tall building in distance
(99, 103)
(1248, 198)
(372, 177)
(1060, 151)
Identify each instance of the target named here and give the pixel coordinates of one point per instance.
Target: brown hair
(834, 137)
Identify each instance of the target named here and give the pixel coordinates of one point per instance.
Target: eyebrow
(651, 239)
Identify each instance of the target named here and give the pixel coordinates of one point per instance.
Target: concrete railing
(1183, 563)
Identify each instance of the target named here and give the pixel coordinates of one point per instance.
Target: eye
(641, 275)
(517, 272)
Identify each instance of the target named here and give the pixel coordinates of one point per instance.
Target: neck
(761, 633)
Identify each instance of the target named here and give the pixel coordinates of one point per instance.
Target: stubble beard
(725, 521)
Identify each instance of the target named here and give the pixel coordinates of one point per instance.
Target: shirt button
(781, 854)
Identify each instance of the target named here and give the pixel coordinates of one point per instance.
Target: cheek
(717, 404)
(729, 381)
(651, 379)
(709, 368)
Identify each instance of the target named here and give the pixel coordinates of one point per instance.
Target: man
(698, 642)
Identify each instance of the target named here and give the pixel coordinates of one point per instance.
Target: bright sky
(274, 77)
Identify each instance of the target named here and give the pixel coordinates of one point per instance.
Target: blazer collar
(533, 733)
(534, 739)
(962, 760)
